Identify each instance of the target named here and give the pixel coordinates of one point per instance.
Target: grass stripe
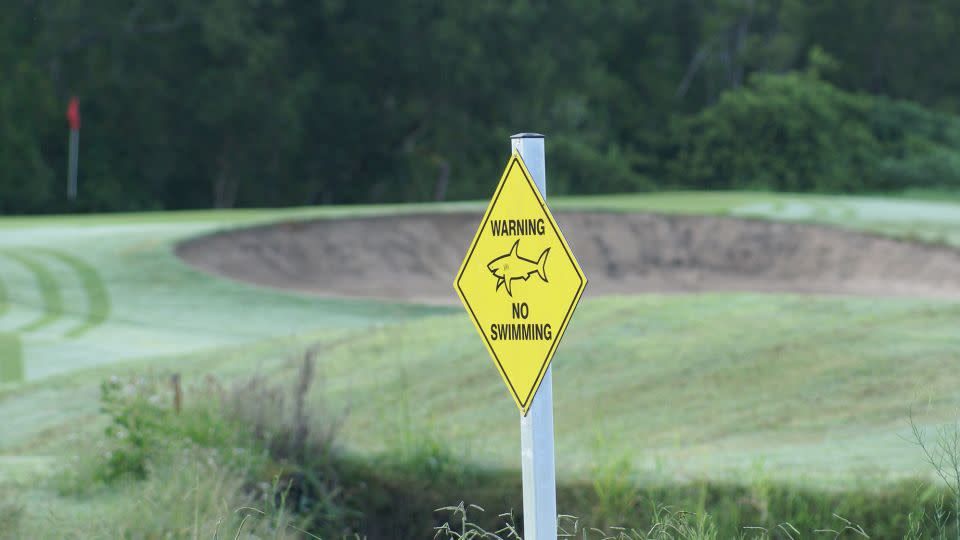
(53, 307)
(98, 299)
(4, 298)
(11, 358)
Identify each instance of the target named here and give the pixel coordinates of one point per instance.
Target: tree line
(229, 103)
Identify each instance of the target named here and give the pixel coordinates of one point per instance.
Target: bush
(208, 458)
(145, 428)
(794, 132)
(575, 166)
(938, 169)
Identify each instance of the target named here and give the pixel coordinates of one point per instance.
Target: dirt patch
(415, 257)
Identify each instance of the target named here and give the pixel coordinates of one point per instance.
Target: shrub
(209, 458)
(794, 132)
(584, 167)
(144, 428)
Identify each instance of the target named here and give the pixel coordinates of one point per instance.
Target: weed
(760, 489)
(137, 421)
(943, 456)
(459, 527)
(144, 428)
(279, 417)
(616, 491)
(666, 525)
(846, 527)
(191, 496)
(934, 525)
(192, 454)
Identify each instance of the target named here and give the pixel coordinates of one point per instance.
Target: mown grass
(11, 358)
(4, 298)
(53, 306)
(151, 304)
(98, 299)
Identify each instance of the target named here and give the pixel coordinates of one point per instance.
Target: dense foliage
(796, 133)
(277, 102)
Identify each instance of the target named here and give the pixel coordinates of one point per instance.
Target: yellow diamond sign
(520, 282)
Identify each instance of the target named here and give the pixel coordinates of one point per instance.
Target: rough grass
(811, 390)
(222, 467)
(252, 456)
(188, 497)
(200, 468)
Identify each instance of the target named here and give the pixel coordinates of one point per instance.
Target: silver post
(72, 165)
(536, 428)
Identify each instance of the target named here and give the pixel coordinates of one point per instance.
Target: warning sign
(520, 282)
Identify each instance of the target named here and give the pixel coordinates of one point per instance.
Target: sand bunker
(414, 257)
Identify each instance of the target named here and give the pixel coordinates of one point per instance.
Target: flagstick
(72, 165)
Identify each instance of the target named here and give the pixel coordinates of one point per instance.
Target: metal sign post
(520, 283)
(536, 428)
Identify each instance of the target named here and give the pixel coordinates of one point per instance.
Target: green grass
(52, 307)
(4, 298)
(114, 284)
(812, 390)
(929, 218)
(121, 296)
(11, 358)
(804, 389)
(98, 300)
(214, 462)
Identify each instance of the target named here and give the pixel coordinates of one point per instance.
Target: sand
(415, 257)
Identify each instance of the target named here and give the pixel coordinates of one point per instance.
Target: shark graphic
(511, 266)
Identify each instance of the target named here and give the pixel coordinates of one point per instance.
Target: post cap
(527, 136)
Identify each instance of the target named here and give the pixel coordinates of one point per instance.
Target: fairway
(707, 385)
(59, 305)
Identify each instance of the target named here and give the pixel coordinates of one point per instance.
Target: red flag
(73, 113)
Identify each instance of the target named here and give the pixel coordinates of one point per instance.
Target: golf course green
(809, 389)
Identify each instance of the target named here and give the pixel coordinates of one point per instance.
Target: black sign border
(525, 403)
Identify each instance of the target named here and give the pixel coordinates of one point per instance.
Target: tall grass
(242, 460)
(666, 525)
(257, 458)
